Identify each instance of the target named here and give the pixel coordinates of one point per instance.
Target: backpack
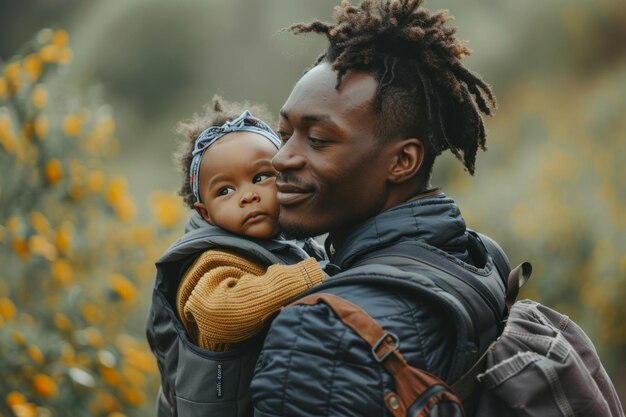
(541, 364)
(195, 381)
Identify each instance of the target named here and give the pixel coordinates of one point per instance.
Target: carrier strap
(416, 389)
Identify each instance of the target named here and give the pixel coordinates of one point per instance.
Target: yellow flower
(62, 271)
(39, 245)
(142, 235)
(14, 224)
(4, 88)
(76, 191)
(133, 397)
(20, 247)
(122, 287)
(53, 171)
(167, 209)
(49, 53)
(7, 137)
(18, 337)
(125, 209)
(94, 337)
(110, 376)
(91, 313)
(65, 55)
(72, 125)
(25, 410)
(39, 97)
(12, 72)
(60, 38)
(27, 129)
(40, 223)
(133, 377)
(107, 402)
(15, 398)
(63, 237)
(41, 127)
(44, 386)
(35, 354)
(33, 66)
(95, 181)
(116, 190)
(62, 322)
(7, 309)
(5, 124)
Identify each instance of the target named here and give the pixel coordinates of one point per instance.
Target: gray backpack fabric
(543, 364)
(196, 382)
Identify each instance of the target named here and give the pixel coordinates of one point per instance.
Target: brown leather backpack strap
(517, 278)
(410, 382)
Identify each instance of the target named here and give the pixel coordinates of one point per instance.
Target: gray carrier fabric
(195, 381)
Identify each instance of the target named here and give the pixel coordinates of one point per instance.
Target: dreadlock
(216, 113)
(423, 89)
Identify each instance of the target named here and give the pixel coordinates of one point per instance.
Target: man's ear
(202, 211)
(407, 159)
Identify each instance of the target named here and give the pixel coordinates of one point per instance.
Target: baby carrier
(195, 381)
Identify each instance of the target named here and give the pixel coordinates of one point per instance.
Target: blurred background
(90, 93)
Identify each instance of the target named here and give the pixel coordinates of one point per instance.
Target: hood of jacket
(434, 220)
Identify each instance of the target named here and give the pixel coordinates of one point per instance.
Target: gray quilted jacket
(312, 365)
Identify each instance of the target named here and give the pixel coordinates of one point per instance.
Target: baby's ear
(203, 212)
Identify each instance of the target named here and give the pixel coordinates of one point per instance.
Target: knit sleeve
(224, 299)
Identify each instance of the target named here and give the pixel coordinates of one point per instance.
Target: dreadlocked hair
(423, 89)
(216, 113)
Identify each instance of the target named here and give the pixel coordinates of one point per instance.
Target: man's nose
(289, 156)
(249, 197)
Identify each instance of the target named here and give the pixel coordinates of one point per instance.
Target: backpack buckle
(395, 346)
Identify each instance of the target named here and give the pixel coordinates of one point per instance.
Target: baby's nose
(249, 197)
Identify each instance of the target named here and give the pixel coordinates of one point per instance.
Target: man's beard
(295, 231)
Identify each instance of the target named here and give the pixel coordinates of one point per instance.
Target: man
(361, 131)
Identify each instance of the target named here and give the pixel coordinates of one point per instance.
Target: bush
(74, 257)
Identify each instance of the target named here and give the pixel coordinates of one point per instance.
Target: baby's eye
(225, 191)
(261, 177)
(284, 135)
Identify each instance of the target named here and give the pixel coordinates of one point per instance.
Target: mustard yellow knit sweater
(224, 299)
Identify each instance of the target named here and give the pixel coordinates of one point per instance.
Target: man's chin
(295, 231)
(298, 229)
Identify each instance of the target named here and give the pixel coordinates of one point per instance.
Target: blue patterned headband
(246, 122)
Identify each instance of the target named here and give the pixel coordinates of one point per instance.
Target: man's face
(332, 169)
(237, 185)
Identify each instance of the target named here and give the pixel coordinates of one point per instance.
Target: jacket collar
(431, 219)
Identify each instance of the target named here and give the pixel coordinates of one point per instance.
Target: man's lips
(289, 194)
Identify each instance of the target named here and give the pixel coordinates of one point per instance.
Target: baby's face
(237, 185)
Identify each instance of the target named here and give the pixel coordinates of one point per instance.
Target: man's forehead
(316, 91)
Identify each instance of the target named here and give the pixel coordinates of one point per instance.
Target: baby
(225, 298)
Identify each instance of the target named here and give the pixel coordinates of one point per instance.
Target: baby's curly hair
(218, 112)
(423, 88)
